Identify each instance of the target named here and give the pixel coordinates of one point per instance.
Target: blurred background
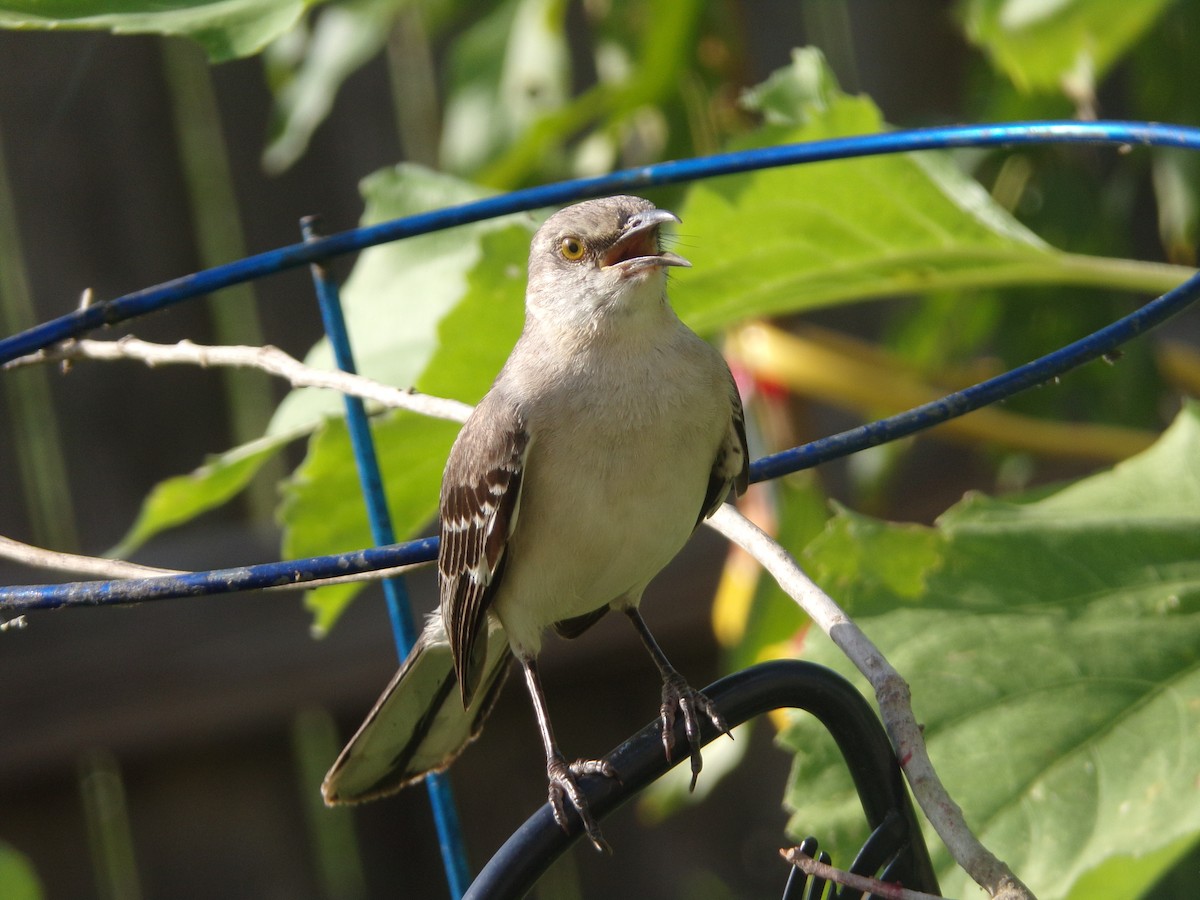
(174, 749)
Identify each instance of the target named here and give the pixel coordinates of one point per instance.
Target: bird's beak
(638, 247)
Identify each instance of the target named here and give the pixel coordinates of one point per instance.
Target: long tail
(418, 725)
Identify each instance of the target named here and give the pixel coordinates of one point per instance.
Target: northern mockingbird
(611, 432)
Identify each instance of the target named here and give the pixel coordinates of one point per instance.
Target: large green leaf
(407, 286)
(224, 28)
(323, 510)
(181, 498)
(398, 292)
(475, 338)
(1040, 44)
(441, 311)
(803, 237)
(1053, 649)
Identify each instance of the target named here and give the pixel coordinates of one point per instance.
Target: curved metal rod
(533, 847)
(27, 597)
(1039, 371)
(109, 312)
(22, 598)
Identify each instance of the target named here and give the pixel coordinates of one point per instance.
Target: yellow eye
(571, 248)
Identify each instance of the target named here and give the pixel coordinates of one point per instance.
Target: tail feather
(418, 725)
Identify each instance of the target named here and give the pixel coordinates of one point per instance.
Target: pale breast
(606, 504)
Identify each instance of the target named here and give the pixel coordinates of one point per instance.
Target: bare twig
(873, 886)
(96, 567)
(892, 695)
(267, 359)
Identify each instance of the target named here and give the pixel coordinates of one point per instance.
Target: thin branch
(118, 569)
(12, 624)
(267, 359)
(894, 699)
(873, 886)
(892, 693)
(97, 567)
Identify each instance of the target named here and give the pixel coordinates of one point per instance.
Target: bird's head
(600, 257)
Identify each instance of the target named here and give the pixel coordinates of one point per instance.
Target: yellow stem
(868, 381)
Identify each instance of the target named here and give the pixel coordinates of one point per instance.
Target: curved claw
(562, 778)
(678, 694)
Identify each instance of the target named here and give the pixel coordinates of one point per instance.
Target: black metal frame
(896, 850)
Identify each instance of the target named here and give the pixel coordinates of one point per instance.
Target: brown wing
(731, 468)
(481, 492)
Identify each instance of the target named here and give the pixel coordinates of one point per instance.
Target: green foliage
(924, 218)
(323, 509)
(474, 338)
(1163, 71)
(642, 56)
(1075, 198)
(225, 29)
(306, 67)
(414, 282)
(508, 70)
(1043, 46)
(813, 236)
(18, 881)
(847, 230)
(1051, 644)
(422, 276)
(184, 497)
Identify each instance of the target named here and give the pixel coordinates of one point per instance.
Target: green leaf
(508, 70)
(323, 509)
(803, 237)
(226, 29)
(1039, 44)
(1053, 649)
(18, 881)
(306, 69)
(1129, 876)
(398, 292)
(474, 339)
(422, 276)
(183, 497)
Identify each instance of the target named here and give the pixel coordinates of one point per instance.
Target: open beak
(638, 248)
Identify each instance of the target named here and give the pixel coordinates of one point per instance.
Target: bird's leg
(676, 692)
(561, 774)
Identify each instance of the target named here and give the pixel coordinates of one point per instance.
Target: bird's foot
(563, 783)
(677, 694)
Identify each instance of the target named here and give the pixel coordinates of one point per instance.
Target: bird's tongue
(633, 246)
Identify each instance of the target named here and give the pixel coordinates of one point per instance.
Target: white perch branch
(892, 695)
